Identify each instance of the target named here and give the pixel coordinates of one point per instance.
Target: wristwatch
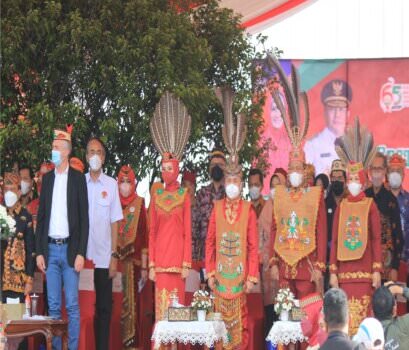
(115, 255)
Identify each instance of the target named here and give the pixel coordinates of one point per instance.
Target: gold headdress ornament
(296, 129)
(356, 147)
(170, 126)
(234, 132)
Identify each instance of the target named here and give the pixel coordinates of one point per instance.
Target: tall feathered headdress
(233, 131)
(296, 129)
(170, 126)
(356, 147)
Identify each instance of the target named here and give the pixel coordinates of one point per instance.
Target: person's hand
(393, 275)
(316, 276)
(28, 287)
(152, 274)
(249, 287)
(79, 263)
(274, 273)
(185, 272)
(376, 279)
(212, 283)
(333, 280)
(144, 275)
(394, 288)
(40, 263)
(113, 267)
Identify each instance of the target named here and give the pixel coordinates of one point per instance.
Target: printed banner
(376, 90)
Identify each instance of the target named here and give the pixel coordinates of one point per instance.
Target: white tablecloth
(286, 332)
(195, 332)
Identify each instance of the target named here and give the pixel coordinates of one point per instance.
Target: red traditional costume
(299, 225)
(170, 238)
(133, 252)
(32, 207)
(232, 239)
(356, 251)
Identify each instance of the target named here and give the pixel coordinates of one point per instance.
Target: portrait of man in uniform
(336, 97)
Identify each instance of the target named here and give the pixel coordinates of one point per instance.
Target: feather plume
(170, 125)
(356, 145)
(296, 130)
(233, 131)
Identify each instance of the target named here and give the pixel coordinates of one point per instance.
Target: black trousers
(103, 308)
(270, 317)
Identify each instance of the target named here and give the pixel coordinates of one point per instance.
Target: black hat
(336, 93)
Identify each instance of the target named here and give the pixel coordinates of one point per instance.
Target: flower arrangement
(7, 224)
(201, 300)
(284, 301)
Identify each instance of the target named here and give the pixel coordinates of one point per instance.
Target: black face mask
(337, 187)
(216, 173)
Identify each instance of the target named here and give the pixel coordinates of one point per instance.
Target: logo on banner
(388, 151)
(394, 97)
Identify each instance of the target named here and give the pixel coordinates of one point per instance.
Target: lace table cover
(286, 332)
(203, 333)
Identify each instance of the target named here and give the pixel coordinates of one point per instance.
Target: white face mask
(296, 179)
(125, 189)
(95, 162)
(395, 179)
(10, 198)
(272, 193)
(232, 191)
(254, 192)
(354, 188)
(25, 187)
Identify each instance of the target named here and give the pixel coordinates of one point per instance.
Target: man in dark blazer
(62, 235)
(336, 317)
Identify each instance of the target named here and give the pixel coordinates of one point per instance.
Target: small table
(207, 333)
(49, 328)
(285, 333)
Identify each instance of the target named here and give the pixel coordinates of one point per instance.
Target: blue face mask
(56, 157)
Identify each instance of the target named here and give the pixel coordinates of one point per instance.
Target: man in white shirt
(105, 212)
(320, 149)
(62, 235)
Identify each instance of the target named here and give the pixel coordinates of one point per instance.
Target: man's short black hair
(25, 166)
(383, 303)
(335, 308)
(255, 171)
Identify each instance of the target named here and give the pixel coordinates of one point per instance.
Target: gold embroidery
(376, 265)
(187, 265)
(354, 275)
(128, 312)
(358, 308)
(320, 265)
(231, 314)
(333, 268)
(168, 201)
(232, 210)
(310, 300)
(296, 224)
(172, 269)
(162, 303)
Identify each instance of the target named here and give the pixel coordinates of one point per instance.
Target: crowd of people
(344, 235)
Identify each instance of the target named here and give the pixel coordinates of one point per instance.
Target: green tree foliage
(102, 65)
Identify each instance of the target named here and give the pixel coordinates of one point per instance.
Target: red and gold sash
(353, 229)
(295, 214)
(231, 251)
(168, 201)
(128, 228)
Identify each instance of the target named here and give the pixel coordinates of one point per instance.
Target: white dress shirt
(104, 208)
(320, 151)
(59, 218)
